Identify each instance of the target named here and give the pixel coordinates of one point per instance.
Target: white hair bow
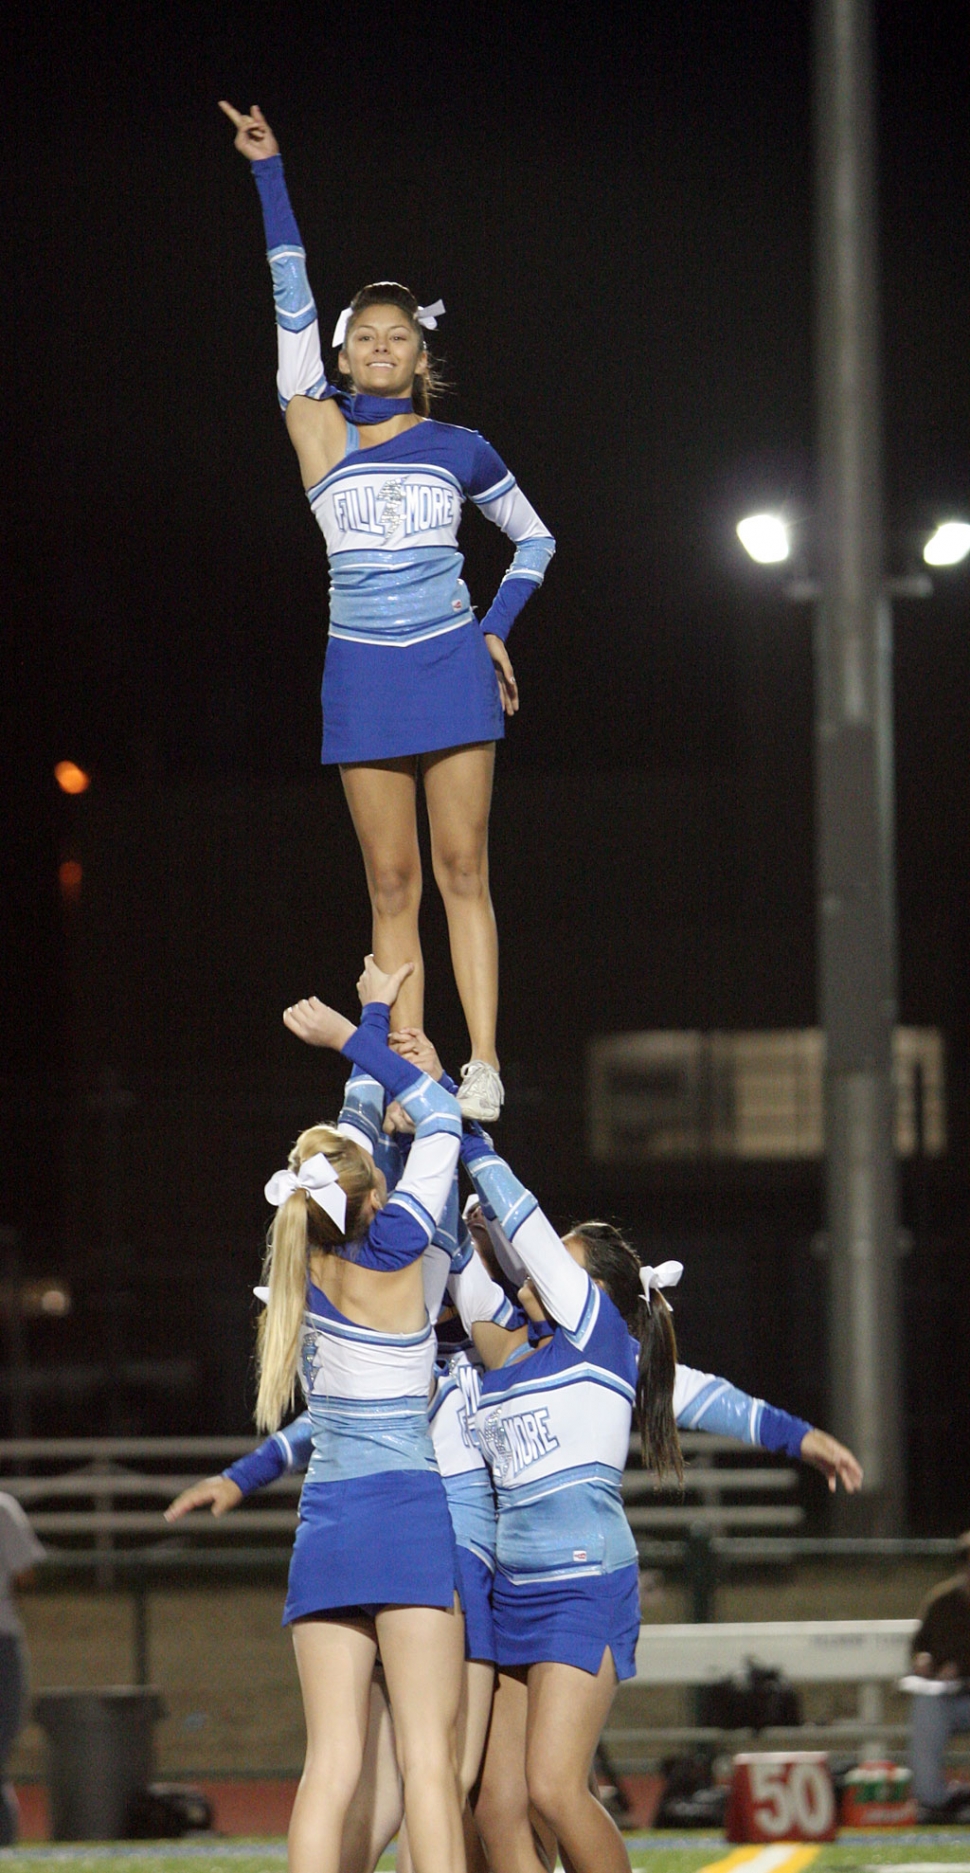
(318, 1178)
(427, 316)
(653, 1279)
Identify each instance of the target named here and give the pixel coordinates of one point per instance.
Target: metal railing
(106, 1491)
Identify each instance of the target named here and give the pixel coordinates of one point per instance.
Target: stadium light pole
(854, 777)
(854, 774)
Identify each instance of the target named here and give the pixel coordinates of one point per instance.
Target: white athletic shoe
(481, 1092)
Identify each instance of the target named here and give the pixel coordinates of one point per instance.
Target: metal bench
(869, 1653)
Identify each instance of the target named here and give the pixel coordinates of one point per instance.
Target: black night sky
(616, 206)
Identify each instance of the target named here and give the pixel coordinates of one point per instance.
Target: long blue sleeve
(278, 217)
(408, 1222)
(369, 1051)
(780, 1431)
(498, 496)
(300, 370)
(517, 587)
(287, 1450)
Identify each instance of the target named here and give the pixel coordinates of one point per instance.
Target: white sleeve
(563, 1287)
(427, 1180)
(435, 1269)
(514, 514)
(476, 1295)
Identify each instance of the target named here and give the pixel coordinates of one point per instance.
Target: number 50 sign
(781, 1796)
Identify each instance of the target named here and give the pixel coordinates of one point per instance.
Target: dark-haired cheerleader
(413, 685)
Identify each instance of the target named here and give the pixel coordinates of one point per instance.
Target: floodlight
(765, 538)
(948, 545)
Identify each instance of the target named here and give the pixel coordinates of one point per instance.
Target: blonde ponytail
(299, 1226)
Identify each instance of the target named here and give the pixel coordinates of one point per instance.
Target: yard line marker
(781, 1857)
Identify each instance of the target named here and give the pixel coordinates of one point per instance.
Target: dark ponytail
(429, 384)
(614, 1262)
(656, 1372)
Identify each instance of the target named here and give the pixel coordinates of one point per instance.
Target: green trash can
(100, 1754)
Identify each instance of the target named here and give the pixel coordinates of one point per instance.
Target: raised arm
(487, 1314)
(317, 436)
(407, 1223)
(564, 1288)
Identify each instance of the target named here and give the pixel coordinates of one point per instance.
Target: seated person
(941, 1655)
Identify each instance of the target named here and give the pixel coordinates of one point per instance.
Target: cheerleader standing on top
(412, 683)
(373, 1562)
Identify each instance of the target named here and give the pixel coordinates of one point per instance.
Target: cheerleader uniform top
(702, 1402)
(471, 1502)
(367, 1391)
(554, 1424)
(389, 515)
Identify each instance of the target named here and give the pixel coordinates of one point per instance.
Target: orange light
(71, 778)
(69, 875)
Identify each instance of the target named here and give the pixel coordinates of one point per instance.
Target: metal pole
(854, 777)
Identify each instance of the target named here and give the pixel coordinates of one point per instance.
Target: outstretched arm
(287, 1450)
(705, 1402)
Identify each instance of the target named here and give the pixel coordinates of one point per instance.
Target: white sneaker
(481, 1092)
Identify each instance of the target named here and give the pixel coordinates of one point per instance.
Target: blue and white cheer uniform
(407, 670)
(374, 1527)
(554, 1426)
(468, 1488)
(471, 1499)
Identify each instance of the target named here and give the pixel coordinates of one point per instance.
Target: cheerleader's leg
(382, 798)
(422, 1650)
(374, 1815)
(458, 790)
(502, 1807)
(476, 1709)
(567, 1710)
(335, 1659)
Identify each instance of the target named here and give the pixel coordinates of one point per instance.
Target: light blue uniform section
(471, 1506)
(723, 1410)
(498, 1186)
(430, 1107)
(530, 560)
(546, 1422)
(397, 598)
(353, 1439)
(292, 297)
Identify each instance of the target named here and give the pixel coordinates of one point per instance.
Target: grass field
(928, 1851)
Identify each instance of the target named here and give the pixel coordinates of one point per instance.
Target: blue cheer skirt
(383, 702)
(379, 1540)
(475, 1593)
(569, 1622)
